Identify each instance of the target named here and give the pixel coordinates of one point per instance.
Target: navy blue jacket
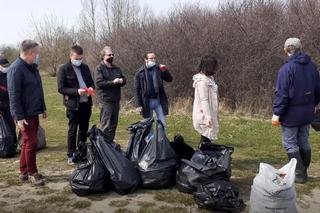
(141, 82)
(25, 90)
(297, 91)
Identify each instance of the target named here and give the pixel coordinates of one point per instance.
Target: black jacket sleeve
(123, 77)
(166, 76)
(15, 82)
(137, 91)
(63, 85)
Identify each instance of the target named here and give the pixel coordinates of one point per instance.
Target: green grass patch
(145, 204)
(119, 203)
(173, 196)
(123, 210)
(83, 204)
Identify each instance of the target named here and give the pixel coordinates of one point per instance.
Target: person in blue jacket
(296, 96)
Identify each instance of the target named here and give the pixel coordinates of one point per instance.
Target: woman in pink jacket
(205, 105)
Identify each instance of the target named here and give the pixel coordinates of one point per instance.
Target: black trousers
(109, 116)
(78, 119)
(204, 139)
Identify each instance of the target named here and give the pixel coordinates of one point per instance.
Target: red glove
(89, 91)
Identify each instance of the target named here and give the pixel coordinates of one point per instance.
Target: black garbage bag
(182, 150)
(219, 196)
(123, 174)
(8, 144)
(158, 162)
(80, 155)
(209, 163)
(42, 143)
(316, 121)
(137, 143)
(90, 176)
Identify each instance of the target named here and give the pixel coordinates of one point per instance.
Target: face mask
(151, 64)
(37, 60)
(110, 60)
(76, 63)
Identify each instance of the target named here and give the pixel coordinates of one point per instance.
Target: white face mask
(76, 63)
(151, 64)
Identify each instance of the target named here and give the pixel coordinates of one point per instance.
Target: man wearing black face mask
(108, 81)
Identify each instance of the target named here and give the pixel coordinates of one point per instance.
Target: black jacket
(25, 90)
(141, 90)
(4, 96)
(68, 84)
(106, 89)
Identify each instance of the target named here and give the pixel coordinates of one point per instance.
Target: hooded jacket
(205, 106)
(297, 91)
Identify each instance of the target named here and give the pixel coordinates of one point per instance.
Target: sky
(16, 15)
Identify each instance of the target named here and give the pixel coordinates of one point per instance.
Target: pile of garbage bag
(8, 144)
(151, 151)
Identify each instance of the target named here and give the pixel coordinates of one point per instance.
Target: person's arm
(281, 100)
(62, 84)
(203, 91)
(124, 80)
(165, 74)
(317, 87)
(100, 81)
(137, 91)
(15, 83)
(90, 79)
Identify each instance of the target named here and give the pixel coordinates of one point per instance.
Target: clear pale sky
(16, 15)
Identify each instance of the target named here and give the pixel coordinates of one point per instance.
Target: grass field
(254, 141)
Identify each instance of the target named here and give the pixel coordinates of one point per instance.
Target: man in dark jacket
(4, 97)
(149, 90)
(297, 94)
(109, 80)
(26, 104)
(76, 85)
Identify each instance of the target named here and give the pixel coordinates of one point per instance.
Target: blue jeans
(295, 138)
(155, 105)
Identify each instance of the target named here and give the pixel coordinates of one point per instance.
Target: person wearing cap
(76, 85)
(109, 80)
(296, 96)
(26, 104)
(150, 95)
(4, 97)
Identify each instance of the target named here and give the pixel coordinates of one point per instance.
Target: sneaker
(70, 161)
(23, 178)
(36, 180)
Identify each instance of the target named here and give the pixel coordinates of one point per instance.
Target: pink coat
(205, 106)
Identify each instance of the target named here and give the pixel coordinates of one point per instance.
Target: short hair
(145, 55)
(291, 49)
(77, 49)
(103, 51)
(208, 65)
(28, 45)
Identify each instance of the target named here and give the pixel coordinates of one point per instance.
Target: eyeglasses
(110, 54)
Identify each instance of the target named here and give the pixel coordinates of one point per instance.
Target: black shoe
(301, 175)
(306, 158)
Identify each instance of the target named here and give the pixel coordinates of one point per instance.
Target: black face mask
(110, 60)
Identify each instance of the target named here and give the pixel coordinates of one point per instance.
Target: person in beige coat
(205, 105)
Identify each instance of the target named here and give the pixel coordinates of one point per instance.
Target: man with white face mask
(149, 90)
(76, 85)
(4, 96)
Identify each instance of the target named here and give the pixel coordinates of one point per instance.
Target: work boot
(301, 176)
(23, 178)
(306, 158)
(36, 180)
